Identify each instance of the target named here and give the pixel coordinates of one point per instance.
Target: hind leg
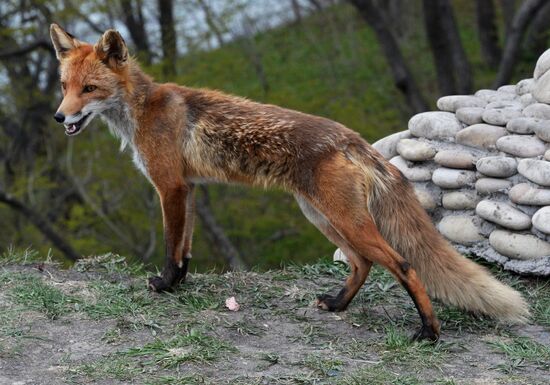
(360, 267)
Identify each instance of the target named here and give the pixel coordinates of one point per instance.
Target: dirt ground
(97, 324)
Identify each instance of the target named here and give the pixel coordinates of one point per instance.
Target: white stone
(454, 102)
(460, 229)
(497, 166)
(541, 220)
(503, 214)
(542, 129)
(452, 178)
(492, 95)
(523, 146)
(340, 256)
(537, 171)
(480, 136)
(434, 125)
(500, 116)
(518, 246)
(522, 125)
(525, 86)
(514, 104)
(541, 90)
(426, 198)
(414, 174)
(460, 200)
(527, 100)
(525, 194)
(507, 88)
(486, 186)
(547, 155)
(388, 146)
(470, 115)
(455, 159)
(543, 64)
(414, 150)
(537, 110)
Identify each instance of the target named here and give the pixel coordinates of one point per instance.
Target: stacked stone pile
(481, 168)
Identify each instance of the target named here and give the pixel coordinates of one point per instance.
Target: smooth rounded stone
(340, 256)
(455, 159)
(481, 135)
(504, 104)
(460, 229)
(388, 146)
(434, 125)
(547, 155)
(543, 64)
(525, 194)
(527, 100)
(542, 130)
(500, 116)
(525, 86)
(503, 214)
(537, 171)
(507, 88)
(485, 186)
(452, 178)
(523, 146)
(470, 115)
(414, 174)
(518, 246)
(522, 125)
(426, 198)
(414, 150)
(541, 90)
(537, 110)
(460, 200)
(498, 166)
(454, 102)
(541, 220)
(492, 95)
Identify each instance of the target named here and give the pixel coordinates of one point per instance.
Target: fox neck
(127, 105)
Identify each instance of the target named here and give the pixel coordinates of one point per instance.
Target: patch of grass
(312, 335)
(326, 367)
(192, 347)
(520, 351)
(195, 379)
(33, 293)
(322, 268)
(112, 367)
(110, 263)
(537, 294)
(246, 327)
(12, 256)
(377, 375)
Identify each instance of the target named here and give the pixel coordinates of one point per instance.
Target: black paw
(426, 334)
(158, 284)
(330, 303)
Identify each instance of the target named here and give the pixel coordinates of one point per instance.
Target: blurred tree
(403, 79)
(168, 37)
(131, 12)
(488, 32)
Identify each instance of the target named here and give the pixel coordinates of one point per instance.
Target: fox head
(92, 76)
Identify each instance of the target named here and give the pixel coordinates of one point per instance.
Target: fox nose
(59, 117)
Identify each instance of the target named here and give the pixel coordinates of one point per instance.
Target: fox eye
(89, 88)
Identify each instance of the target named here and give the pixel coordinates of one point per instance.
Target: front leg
(174, 201)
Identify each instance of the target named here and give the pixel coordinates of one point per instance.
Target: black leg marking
(171, 276)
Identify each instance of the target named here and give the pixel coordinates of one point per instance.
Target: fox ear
(63, 41)
(111, 49)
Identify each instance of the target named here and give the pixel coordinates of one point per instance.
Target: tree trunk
(441, 48)
(168, 36)
(133, 19)
(523, 17)
(539, 34)
(42, 224)
(508, 12)
(402, 76)
(488, 32)
(215, 234)
(211, 21)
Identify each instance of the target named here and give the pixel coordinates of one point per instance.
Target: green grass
(522, 350)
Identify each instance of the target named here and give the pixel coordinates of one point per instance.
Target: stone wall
(481, 168)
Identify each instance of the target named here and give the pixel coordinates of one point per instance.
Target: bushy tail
(448, 276)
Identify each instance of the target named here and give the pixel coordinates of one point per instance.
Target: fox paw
(158, 284)
(426, 334)
(330, 303)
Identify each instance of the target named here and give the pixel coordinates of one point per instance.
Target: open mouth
(74, 128)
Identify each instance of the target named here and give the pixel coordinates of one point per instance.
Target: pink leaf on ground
(231, 304)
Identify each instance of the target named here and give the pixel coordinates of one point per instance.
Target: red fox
(180, 136)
